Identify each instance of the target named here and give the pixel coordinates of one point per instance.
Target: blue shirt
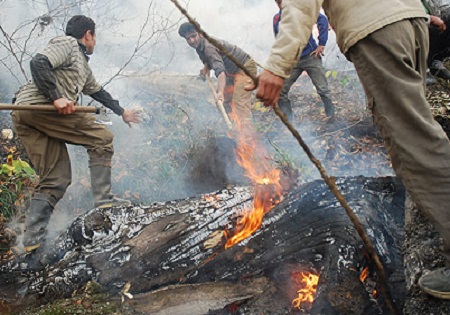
(322, 25)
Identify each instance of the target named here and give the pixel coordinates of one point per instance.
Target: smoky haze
(137, 45)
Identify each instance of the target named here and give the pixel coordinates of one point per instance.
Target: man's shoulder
(65, 40)
(210, 48)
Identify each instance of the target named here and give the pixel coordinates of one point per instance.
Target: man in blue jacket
(311, 62)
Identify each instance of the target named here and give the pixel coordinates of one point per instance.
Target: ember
(364, 274)
(252, 157)
(305, 294)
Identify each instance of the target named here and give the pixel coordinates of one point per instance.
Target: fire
(364, 274)
(306, 294)
(252, 157)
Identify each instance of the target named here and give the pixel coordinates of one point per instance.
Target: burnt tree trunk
(172, 253)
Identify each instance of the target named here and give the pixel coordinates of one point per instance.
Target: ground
(179, 148)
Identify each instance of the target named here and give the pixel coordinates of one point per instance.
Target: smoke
(183, 133)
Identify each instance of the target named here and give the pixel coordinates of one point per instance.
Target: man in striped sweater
(60, 73)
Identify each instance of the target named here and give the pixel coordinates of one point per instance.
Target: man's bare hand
(269, 87)
(132, 116)
(64, 106)
(319, 52)
(438, 23)
(204, 71)
(219, 97)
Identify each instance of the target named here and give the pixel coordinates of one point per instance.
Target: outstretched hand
(268, 87)
(132, 116)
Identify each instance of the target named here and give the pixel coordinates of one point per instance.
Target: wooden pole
(48, 108)
(219, 104)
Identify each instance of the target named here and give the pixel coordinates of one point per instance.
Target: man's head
(82, 28)
(278, 2)
(190, 34)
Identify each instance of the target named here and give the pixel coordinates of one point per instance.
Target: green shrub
(14, 175)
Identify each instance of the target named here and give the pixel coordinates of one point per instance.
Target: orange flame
(306, 294)
(364, 274)
(252, 157)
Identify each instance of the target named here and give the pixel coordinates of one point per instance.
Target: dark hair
(78, 25)
(186, 28)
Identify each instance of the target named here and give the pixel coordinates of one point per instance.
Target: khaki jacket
(352, 20)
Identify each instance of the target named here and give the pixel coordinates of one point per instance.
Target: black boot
(329, 107)
(36, 222)
(286, 108)
(101, 188)
(438, 69)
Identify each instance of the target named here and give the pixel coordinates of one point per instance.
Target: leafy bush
(14, 175)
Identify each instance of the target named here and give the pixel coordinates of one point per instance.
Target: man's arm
(322, 25)
(221, 82)
(295, 29)
(41, 71)
(107, 100)
(128, 116)
(216, 61)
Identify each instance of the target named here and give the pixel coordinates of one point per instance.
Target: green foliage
(333, 74)
(14, 174)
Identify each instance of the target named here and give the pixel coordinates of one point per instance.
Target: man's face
(193, 39)
(91, 40)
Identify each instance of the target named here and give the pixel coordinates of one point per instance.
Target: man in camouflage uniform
(60, 72)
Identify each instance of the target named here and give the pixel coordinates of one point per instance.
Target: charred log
(171, 247)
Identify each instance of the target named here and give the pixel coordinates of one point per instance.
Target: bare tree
(21, 38)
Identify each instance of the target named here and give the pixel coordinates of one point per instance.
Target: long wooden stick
(219, 104)
(47, 108)
(384, 289)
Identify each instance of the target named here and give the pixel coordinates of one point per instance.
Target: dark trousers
(439, 43)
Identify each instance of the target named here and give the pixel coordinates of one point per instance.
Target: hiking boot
(438, 69)
(329, 107)
(436, 283)
(101, 188)
(36, 223)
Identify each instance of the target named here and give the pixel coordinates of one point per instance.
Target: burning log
(177, 248)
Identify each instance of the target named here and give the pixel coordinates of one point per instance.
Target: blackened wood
(164, 244)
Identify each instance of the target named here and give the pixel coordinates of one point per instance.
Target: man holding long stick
(231, 80)
(60, 72)
(389, 50)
